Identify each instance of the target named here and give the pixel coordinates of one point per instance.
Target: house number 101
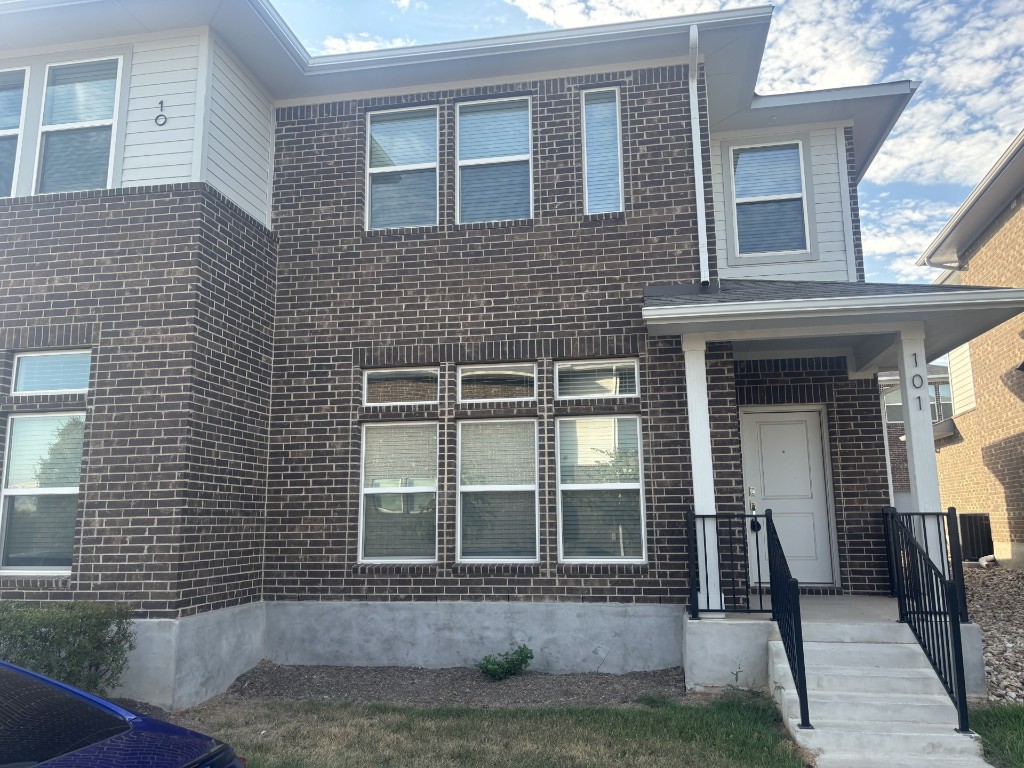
(917, 382)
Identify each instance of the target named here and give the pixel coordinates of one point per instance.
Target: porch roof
(860, 320)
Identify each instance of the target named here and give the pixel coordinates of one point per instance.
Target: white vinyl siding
(961, 379)
(495, 169)
(602, 151)
(831, 236)
(163, 70)
(240, 134)
(13, 88)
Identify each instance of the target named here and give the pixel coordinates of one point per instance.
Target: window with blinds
(399, 493)
(77, 126)
(602, 151)
(769, 198)
(603, 378)
(497, 383)
(600, 500)
(12, 100)
(401, 386)
(51, 372)
(39, 498)
(402, 168)
(494, 165)
(498, 491)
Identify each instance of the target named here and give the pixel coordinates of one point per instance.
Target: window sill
(773, 257)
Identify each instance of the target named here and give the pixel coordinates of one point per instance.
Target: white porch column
(917, 423)
(701, 464)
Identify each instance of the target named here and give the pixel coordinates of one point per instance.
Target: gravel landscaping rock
(453, 687)
(995, 601)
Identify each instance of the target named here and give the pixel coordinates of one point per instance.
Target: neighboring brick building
(369, 360)
(982, 468)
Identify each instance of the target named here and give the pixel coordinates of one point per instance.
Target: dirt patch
(455, 687)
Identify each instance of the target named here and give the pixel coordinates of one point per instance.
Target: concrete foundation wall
(720, 652)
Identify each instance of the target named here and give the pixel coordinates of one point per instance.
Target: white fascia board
(994, 192)
(850, 306)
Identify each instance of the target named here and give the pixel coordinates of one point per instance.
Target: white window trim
(496, 160)
(366, 387)
(496, 366)
(736, 201)
(19, 132)
(618, 146)
(597, 363)
(559, 487)
(460, 488)
(364, 492)
(21, 355)
(112, 122)
(6, 492)
(409, 167)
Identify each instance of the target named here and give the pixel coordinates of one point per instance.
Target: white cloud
(402, 5)
(360, 41)
(895, 234)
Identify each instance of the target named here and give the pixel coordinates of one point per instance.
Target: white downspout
(698, 163)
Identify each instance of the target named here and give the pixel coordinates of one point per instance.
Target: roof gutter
(698, 161)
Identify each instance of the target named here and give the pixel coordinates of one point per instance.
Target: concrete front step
(918, 739)
(840, 760)
(870, 707)
(886, 655)
(872, 680)
(861, 632)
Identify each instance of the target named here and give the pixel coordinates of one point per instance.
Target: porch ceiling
(859, 320)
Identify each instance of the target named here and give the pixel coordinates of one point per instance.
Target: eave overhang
(866, 325)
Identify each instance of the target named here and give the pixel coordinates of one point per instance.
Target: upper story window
(51, 373)
(494, 157)
(939, 395)
(769, 199)
(402, 168)
(12, 104)
(602, 151)
(77, 129)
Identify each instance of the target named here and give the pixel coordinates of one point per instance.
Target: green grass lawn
(736, 730)
(1001, 727)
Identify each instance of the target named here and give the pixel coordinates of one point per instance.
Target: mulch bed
(995, 601)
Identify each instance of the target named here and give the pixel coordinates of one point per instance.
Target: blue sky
(968, 55)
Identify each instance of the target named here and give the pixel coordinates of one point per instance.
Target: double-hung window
(498, 519)
(402, 168)
(494, 151)
(77, 129)
(40, 490)
(12, 109)
(600, 501)
(769, 198)
(602, 151)
(399, 490)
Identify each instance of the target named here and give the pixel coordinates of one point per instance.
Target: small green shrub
(83, 644)
(505, 665)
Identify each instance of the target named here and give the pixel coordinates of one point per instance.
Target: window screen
(602, 148)
(599, 488)
(78, 118)
(419, 385)
(403, 169)
(614, 378)
(494, 161)
(12, 90)
(400, 492)
(40, 493)
(56, 372)
(497, 382)
(498, 490)
(769, 194)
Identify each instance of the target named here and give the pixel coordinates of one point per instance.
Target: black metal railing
(738, 545)
(929, 602)
(786, 613)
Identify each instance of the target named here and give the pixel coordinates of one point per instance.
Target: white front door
(784, 471)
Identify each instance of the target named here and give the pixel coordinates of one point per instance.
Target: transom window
(12, 106)
(51, 373)
(497, 383)
(769, 199)
(600, 501)
(602, 151)
(401, 386)
(76, 134)
(402, 168)
(39, 499)
(494, 157)
(604, 378)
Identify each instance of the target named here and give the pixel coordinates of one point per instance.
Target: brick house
(398, 357)
(980, 469)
